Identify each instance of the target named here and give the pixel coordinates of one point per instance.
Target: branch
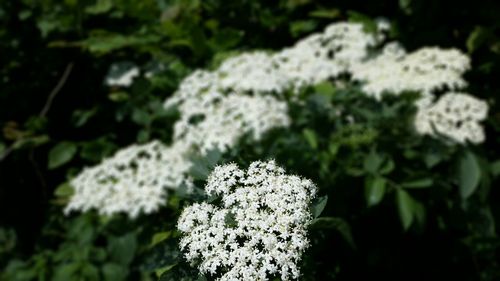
(56, 90)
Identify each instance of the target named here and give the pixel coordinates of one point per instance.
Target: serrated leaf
(469, 174)
(319, 205)
(61, 154)
(374, 190)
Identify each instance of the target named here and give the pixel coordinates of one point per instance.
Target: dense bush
(392, 203)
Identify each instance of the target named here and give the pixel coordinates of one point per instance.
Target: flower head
(259, 228)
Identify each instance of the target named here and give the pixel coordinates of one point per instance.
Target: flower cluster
(134, 180)
(245, 96)
(259, 228)
(454, 115)
(423, 71)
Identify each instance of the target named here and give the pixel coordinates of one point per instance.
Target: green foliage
(393, 204)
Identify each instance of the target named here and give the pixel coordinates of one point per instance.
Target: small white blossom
(454, 115)
(259, 229)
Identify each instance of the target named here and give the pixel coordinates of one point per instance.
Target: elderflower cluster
(425, 71)
(454, 115)
(225, 122)
(257, 231)
(134, 180)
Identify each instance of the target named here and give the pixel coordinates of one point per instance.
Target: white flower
(125, 79)
(425, 71)
(322, 56)
(454, 115)
(253, 72)
(134, 180)
(225, 122)
(258, 230)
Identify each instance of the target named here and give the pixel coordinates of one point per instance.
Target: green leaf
(318, 205)
(495, 168)
(387, 168)
(334, 223)
(182, 272)
(405, 207)
(114, 272)
(469, 174)
(327, 14)
(374, 190)
(66, 272)
(311, 138)
(372, 162)
(298, 28)
(420, 183)
(122, 249)
(477, 38)
(101, 6)
(326, 89)
(406, 6)
(64, 190)
(159, 237)
(61, 154)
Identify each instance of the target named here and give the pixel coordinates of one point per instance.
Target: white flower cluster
(242, 97)
(424, 71)
(225, 122)
(311, 60)
(454, 115)
(134, 180)
(257, 231)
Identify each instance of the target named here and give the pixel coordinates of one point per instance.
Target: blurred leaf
(477, 38)
(122, 249)
(298, 28)
(420, 183)
(159, 237)
(182, 272)
(374, 190)
(387, 168)
(61, 154)
(372, 162)
(64, 190)
(327, 14)
(114, 272)
(318, 205)
(495, 168)
(406, 6)
(97, 150)
(100, 7)
(405, 207)
(311, 138)
(469, 174)
(66, 272)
